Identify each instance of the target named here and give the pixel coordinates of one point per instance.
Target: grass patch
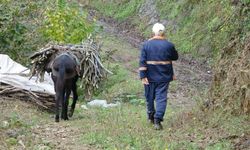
(16, 122)
(187, 145)
(111, 42)
(120, 83)
(220, 146)
(120, 10)
(125, 127)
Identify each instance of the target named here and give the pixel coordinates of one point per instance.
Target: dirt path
(193, 77)
(24, 126)
(62, 135)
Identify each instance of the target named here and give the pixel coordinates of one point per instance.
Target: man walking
(156, 71)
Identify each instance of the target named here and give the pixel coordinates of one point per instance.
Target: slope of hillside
(216, 32)
(208, 34)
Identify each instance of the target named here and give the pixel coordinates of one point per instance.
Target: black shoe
(151, 118)
(157, 125)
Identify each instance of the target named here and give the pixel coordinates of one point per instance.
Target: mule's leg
(57, 99)
(57, 108)
(68, 91)
(63, 105)
(75, 96)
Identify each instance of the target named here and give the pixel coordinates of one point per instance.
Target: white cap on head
(158, 29)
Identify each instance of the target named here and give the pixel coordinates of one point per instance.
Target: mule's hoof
(70, 114)
(63, 117)
(57, 120)
(66, 118)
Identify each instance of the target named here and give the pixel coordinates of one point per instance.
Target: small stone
(84, 107)
(21, 143)
(12, 133)
(6, 124)
(43, 147)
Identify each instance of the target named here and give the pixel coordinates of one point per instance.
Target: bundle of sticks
(43, 100)
(87, 55)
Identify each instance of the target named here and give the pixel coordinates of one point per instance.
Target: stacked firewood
(43, 100)
(87, 56)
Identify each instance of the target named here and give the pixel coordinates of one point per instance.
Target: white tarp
(9, 71)
(101, 103)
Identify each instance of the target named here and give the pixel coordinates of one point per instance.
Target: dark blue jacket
(157, 50)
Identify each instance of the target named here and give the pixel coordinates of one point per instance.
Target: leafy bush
(66, 23)
(18, 23)
(25, 27)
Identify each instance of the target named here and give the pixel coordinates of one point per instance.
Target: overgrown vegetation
(231, 88)
(120, 10)
(123, 127)
(202, 28)
(27, 25)
(220, 30)
(66, 23)
(19, 21)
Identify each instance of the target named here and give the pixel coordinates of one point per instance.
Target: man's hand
(144, 81)
(174, 77)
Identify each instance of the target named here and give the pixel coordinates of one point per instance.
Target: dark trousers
(156, 91)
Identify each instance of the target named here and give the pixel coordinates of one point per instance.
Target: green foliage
(127, 10)
(187, 145)
(18, 35)
(220, 146)
(11, 141)
(122, 127)
(132, 99)
(119, 84)
(195, 26)
(25, 26)
(66, 23)
(120, 10)
(201, 28)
